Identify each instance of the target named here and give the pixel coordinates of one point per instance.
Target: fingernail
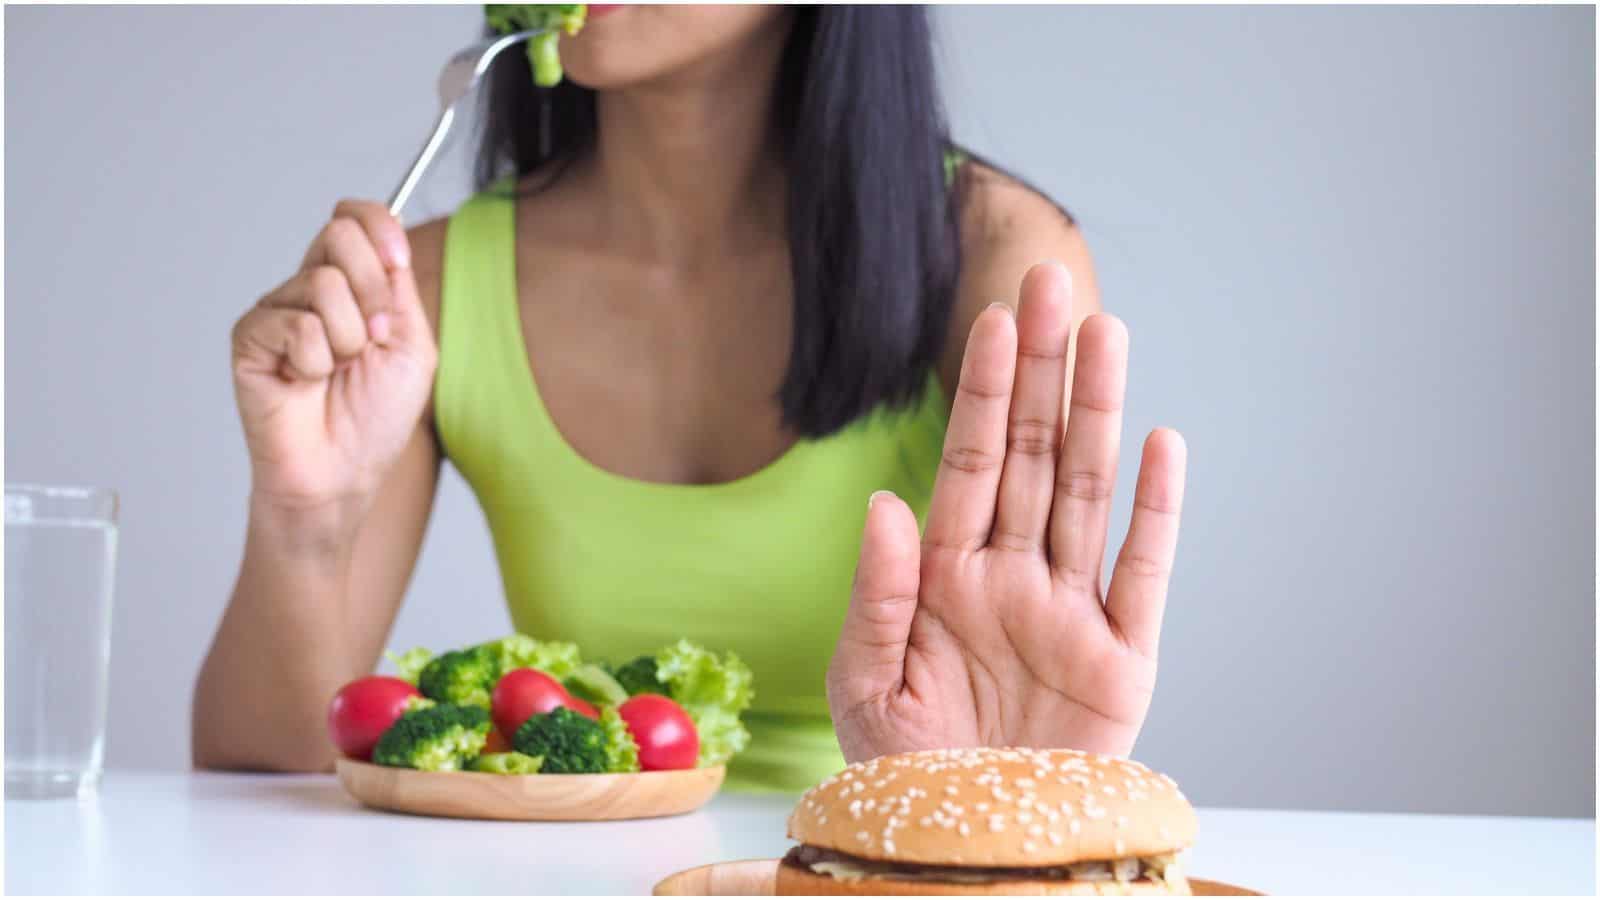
(378, 328)
(1060, 266)
(875, 495)
(1003, 306)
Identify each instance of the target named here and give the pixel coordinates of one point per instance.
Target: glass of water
(61, 550)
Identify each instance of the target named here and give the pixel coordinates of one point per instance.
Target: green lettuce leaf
(622, 752)
(713, 692)
(410, 663)
(558, 659)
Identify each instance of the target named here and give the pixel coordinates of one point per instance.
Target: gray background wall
(1354, 247)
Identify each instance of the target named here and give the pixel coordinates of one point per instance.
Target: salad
(520, 706)
(542, 51)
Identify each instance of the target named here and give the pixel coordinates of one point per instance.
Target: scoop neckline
(525, 366)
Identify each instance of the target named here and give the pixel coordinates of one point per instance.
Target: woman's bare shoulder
(1008, 227)
(427, 264)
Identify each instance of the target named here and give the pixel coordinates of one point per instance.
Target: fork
(458, 78)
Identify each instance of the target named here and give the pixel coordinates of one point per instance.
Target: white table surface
(161, 833)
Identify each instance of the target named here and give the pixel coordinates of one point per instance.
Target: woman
(732, 292)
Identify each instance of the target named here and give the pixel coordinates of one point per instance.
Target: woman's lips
(596, 10)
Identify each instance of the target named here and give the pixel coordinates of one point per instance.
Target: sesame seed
(1122, 821)
(965, 831)
(951, 790)
(1025, 782)
(925, 821)
(1119, 847)
(982, 807)
(1029, 846)
(1024, 817)
(1094, 812)
(1025, 801)
(863, 836)
(1074, 826)
(1109, 790)
(1036, 830)
(1066, 807)
(888, 847)
(1055, 839)
(996, 826)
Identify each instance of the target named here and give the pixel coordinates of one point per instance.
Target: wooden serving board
(529, 798)
(758, 878)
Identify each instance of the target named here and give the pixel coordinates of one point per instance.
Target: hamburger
(990, 821)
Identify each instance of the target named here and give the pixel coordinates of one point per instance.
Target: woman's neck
(691, 170)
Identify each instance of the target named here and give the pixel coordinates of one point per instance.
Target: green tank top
(761, 565)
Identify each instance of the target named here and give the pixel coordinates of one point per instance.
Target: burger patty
(847, 867)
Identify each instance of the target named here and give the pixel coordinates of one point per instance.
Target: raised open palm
(993, 628)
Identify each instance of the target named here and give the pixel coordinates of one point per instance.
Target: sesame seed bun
(794, 881)
(994, 807)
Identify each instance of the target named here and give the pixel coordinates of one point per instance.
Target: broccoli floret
(466, 677)
(639, 677)
(570, 743)
(543, 55)
(436, 738)
(506, 764)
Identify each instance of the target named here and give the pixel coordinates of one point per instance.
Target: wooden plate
(758, 877)
(529, 798)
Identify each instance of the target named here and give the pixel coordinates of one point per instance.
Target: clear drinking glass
(61, 549)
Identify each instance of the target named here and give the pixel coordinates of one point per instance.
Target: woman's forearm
(282, 649)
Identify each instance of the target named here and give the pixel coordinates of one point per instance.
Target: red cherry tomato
(664, 732)
(363, 710)
(522, 694)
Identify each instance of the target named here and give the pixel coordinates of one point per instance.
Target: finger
(1033, 432)
(1087, 471)
(325, 291)
(344, 245)
(384, 230)
(289, 342)
(405, 325)
(1137, 597)
(332, 299)
(962, 509)
(870, 658)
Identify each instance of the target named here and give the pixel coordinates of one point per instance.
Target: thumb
(870, 659)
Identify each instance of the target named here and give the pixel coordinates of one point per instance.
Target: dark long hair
(873, 227)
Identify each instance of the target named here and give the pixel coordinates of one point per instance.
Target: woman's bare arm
(317, 593)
